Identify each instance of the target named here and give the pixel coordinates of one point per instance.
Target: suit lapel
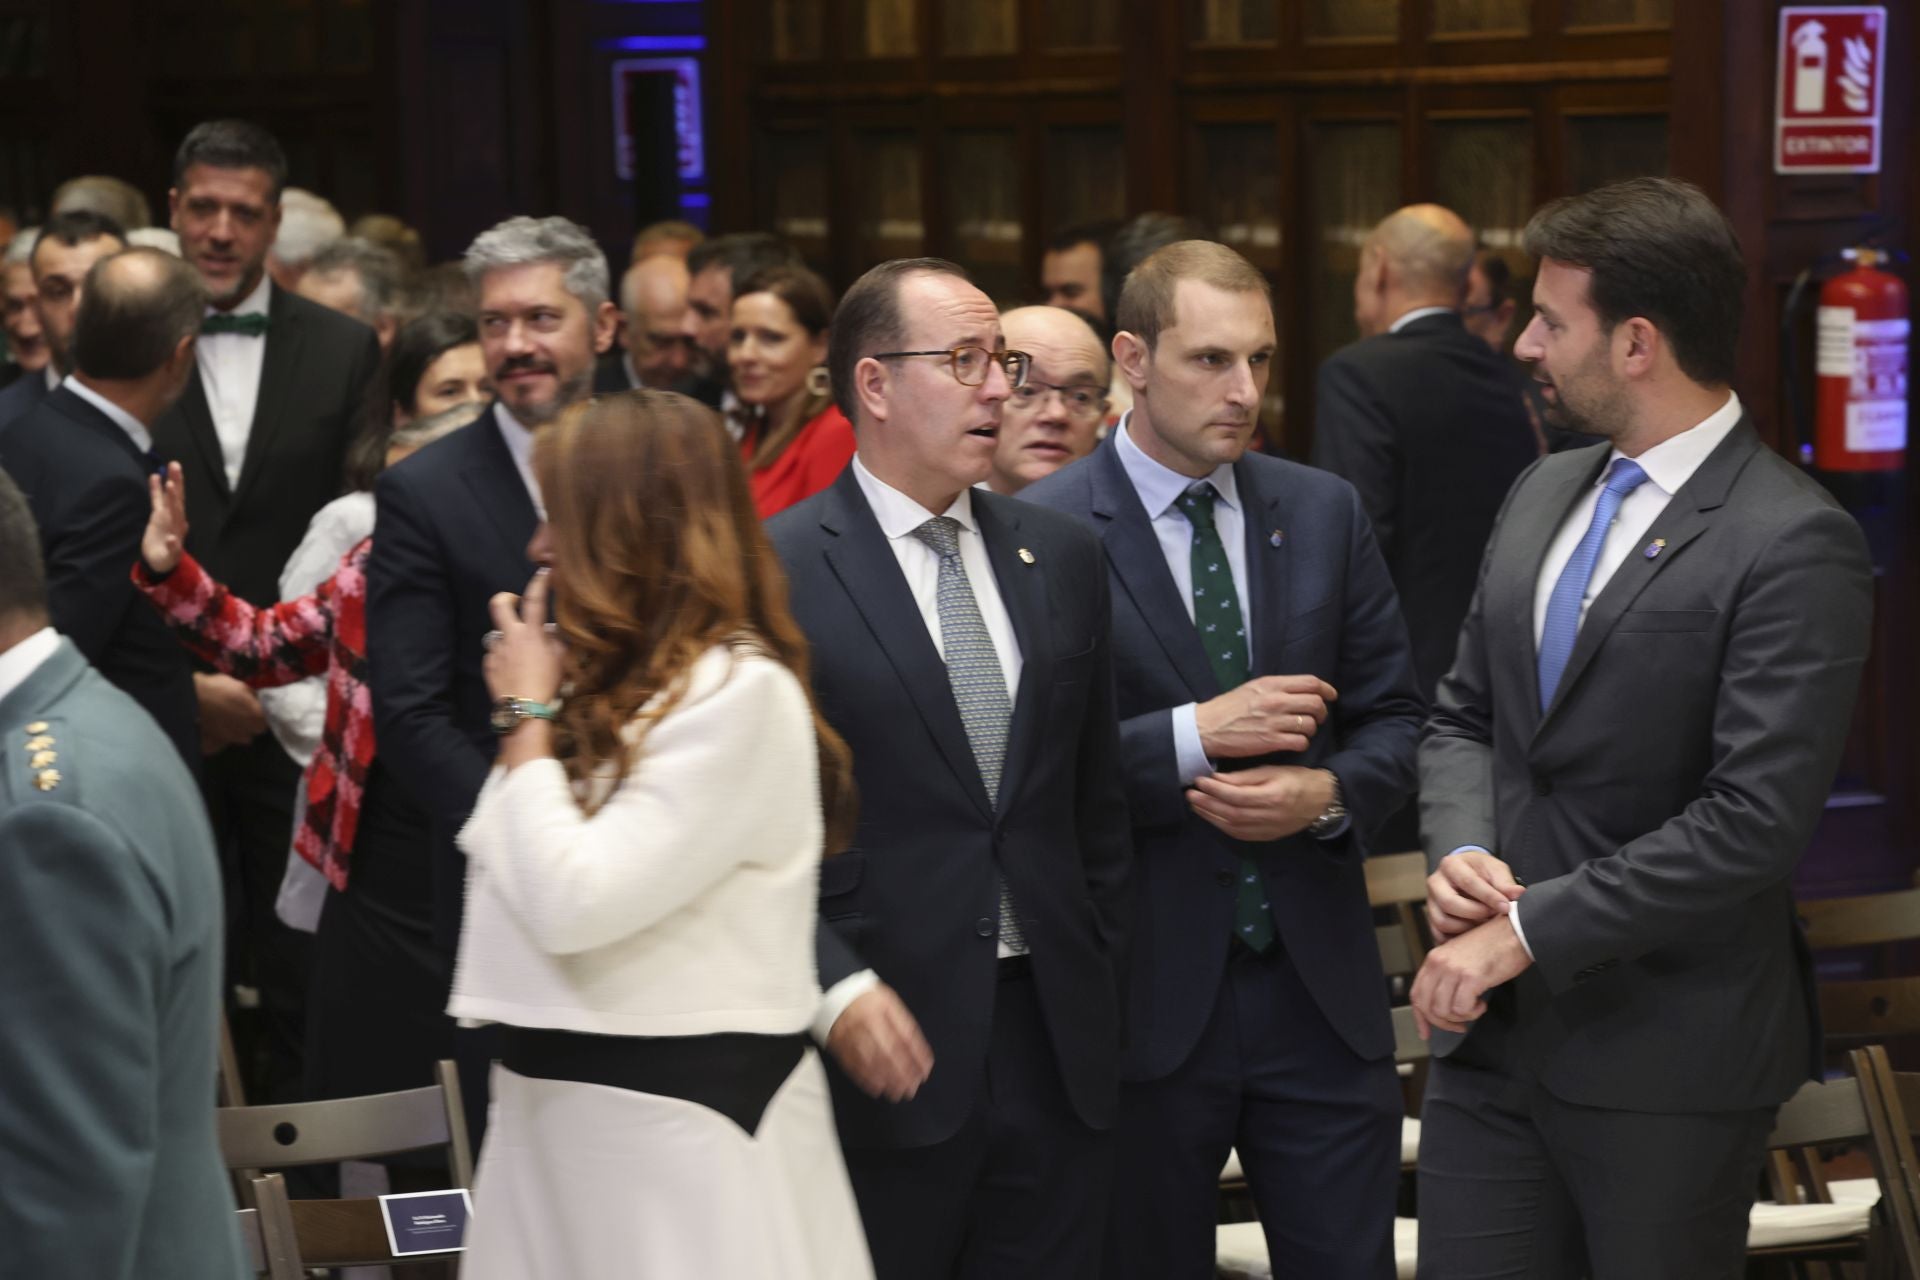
(195, 433)
(279, 368)
(1023, 589)
(1268, 569)
(1530, 534)
(1686, 518)
(89, 418)
(1141, 567)
(495, 481)
(860, 558)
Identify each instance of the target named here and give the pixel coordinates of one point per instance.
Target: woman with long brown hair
(642, 873)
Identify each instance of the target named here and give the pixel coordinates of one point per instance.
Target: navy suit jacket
(916, 898)
(454, 523)
(86, 484)
(18, 397)
(1322, 605)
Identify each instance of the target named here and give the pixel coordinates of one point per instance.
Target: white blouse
(686, 904)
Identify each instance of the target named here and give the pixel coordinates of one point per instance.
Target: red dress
(812, 461)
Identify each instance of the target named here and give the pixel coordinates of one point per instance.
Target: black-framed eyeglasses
(970, 364)
(1082, 402)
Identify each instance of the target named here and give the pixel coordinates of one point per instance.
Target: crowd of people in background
(875, 784)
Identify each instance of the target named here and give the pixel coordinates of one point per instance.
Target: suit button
(1542, 785)
(984, 927)
(1223, 878)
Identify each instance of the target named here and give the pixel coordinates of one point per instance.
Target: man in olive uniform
(109, 968)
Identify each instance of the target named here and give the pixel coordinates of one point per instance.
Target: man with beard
(261, 436)
(62, 253)
(454, 522)
(1640, 727)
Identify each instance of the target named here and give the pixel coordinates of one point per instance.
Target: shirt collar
(518, 435)
(135, 429)
(1418, 313)
(1160, 486)
(900, 515)
(1672, 462)
(21, 661)
(51, 374)
(254, 303)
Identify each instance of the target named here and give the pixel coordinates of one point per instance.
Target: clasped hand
(1470, 901)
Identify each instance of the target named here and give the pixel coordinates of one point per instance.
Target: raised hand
(164, 541)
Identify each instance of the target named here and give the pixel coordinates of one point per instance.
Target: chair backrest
(271, 1248)
(1893, 1110)
(385, 1124)
(1872, 920)
(1876, 1009)
(1397, 885)
(299, 1234)
(1394, 878)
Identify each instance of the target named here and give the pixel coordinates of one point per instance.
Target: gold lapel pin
(1026, 556)
(47, 779)
(1275, 538)
(1655, 547)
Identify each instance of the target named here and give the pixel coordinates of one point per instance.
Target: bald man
(653, 299)
(1055, 417)
(1421, 417)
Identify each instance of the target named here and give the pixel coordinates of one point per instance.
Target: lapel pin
(1654, 547)
(1275, 538)
(1026, 556)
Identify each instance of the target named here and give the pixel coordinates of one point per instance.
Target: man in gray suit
(1623, 766)
(110, 943)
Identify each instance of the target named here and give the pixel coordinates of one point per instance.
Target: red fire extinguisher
(1860, 413)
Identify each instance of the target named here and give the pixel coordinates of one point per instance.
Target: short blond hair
(1147, 297)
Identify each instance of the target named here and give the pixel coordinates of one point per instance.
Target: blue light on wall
(657, 44)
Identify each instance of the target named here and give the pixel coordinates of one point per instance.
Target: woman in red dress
(795, 442)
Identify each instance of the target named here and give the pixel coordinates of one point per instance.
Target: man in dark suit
(1255, 627)
(84, 456)
(1641, 727)
(261, 435)
(715, 268)
(63, 252)
(970, 941)
(652, 351)
(454, 524)
(110, 939)
(26, 344)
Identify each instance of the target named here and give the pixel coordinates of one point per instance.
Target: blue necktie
(1563, 606)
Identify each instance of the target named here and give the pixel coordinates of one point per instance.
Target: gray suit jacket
(110, 943)
(1656, 809)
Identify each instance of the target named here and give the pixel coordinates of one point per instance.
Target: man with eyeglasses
(1268, 720)
(970, 940)
(1053, 418)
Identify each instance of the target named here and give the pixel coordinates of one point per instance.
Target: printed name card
(426, 1221)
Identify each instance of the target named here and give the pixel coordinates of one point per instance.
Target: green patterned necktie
(252, 325)
(1223, 634)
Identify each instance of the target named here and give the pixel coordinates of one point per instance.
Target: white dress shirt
(1418, 313)
(899, 516)
(135, 429)
(230, 365)
(21, 661)
(1160, 488)
(51, 374)
(519, 440)
(1668, 465)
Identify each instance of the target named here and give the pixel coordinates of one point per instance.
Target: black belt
(735, 1073)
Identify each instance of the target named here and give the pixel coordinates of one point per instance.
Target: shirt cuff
(1513, 918)
(1470, 848)
(1189, 757)
(835, 1000)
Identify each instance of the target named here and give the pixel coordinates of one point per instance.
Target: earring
(819, 382)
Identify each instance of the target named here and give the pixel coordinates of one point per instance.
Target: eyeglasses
(1084, 403)
(970, 364)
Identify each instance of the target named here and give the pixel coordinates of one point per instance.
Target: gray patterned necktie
(979, 682)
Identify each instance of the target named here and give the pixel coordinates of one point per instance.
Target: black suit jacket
(916, 897)
(453, 527)
(1321, 605)
(313, 386)
(19, 397)
(610, 372)
(1656, 809)
(1426, 423)
(87, 485)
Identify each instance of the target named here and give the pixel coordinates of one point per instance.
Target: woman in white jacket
(641, 883)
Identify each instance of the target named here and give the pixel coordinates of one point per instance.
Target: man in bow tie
(261, 434)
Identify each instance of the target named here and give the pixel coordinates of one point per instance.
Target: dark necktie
(1562, 626)
(1223, 634)
(252, 325)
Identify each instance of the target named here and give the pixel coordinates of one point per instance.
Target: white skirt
(590, 1182)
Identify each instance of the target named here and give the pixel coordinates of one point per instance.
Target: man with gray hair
(357, 278)
(83, 456)
(455, 520)
(1421, 417)
(307, 224)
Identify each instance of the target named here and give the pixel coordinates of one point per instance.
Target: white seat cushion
(1240, 1250)
(1772, 1226)
(1855, 1191)
(1409, 1152)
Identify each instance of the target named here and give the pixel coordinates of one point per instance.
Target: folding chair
(1397, 884)
(1873, 1010)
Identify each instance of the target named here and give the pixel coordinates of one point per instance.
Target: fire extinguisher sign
(1828, 89)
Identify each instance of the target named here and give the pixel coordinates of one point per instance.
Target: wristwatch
(508, 713)
(1334, 814)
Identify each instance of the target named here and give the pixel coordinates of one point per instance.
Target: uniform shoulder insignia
(33, 758)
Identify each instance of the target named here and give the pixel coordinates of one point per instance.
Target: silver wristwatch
(1334, 814)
